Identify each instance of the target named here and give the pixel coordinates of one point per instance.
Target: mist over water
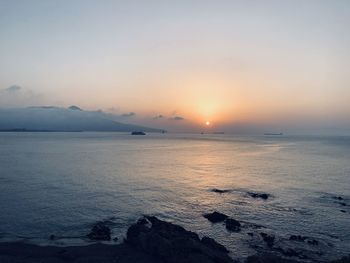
(62, 183)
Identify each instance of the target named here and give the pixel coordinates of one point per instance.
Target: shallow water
(61, 183)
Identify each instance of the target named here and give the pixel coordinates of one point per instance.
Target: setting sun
(207, 123)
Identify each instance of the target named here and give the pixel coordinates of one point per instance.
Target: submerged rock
(100, 231)
(269, 239)
(338, 197)
(172, 243)
(259, 195)
(220, 191)
(232, 225)
(215, 217)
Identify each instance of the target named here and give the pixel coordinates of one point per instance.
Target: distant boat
(273, 134)
(138, 133)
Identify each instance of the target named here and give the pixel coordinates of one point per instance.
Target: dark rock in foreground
(232, 225)
(259, 195)
(100, 231)
(150, 240)
(269, 239)
(215, 217)
(212, 243)
(172, 243)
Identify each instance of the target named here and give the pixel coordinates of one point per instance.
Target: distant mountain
(73, 107)
(50, 118)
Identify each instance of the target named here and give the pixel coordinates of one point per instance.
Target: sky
(277, 65)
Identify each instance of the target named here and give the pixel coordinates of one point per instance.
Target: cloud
(17, 96)
(176, 118)
(160, 116)
(128, 115)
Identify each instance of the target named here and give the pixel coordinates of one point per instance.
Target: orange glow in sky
(183, 65)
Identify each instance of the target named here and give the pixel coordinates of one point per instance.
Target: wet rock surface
(263, 196)
(232, 225)
(215, 217)
(339, 200)
(220, 191)
(269, 239)
(100, 231)
(172, 243)
(212, 243)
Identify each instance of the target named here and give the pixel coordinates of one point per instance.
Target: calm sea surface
(62, 183)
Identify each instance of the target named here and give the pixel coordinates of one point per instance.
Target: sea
(56, 183)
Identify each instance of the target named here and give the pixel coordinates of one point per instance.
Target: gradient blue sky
(229, 62)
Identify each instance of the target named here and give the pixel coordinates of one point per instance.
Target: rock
(343, 203)
(212, 243)
(143, 221)
(232, 225)
(259, 195)
(343, 211)
(172, 243)
(100, 231)
(215, 217)
(138, 133)
(115, 239)
(215, 190)
(338, 197)
(52, 237)
(269, 239)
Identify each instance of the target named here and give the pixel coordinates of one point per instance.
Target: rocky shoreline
(148, 240)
